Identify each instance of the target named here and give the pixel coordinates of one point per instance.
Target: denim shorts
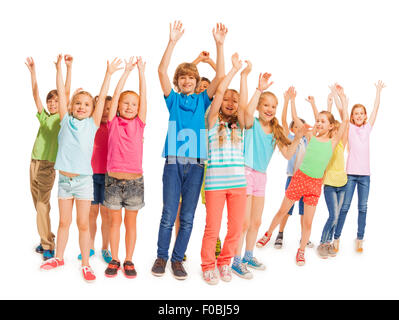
(79, 187)
(99, 188)
(120, 193)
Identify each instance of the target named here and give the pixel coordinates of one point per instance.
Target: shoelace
(50, 261)
(179, 266)
(87, 269)
(301, 255)
(225, 270)
(243, 267)
(209, 275)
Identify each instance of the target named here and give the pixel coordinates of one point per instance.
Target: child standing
(261, 137)
(42, 173)
(124, 182)
(76, 139)
(358, 166)
(184, 165)
(225, 178)
(308, 179)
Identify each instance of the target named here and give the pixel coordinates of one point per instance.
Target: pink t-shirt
(125, 145)
(100, 150)
(359, 150)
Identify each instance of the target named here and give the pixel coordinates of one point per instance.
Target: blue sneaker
(242, 271)
(92, 252)
(48, 254)
(254, 264)
(106, 255)
(39, 249)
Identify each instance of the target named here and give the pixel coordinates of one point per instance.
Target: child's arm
(345, 118)
(330, 99)
(335, 97)
(312, 102)
(129, 66)
(204, 57)
(263, 84)
(142, 90)
(35, 90)
(175, 34)
(219, 35)
(217, 101)
(243, 101)
(379, 85)
(62, 101)
(68, 62)
(284, 114)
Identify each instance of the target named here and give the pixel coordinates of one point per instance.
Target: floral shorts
(304, 186)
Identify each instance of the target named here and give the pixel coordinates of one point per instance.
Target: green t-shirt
(316, 158)
(46, 143)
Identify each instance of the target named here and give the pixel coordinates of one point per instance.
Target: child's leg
(177, 222)
(307, 225)
(255, 222)
(131, 234)
(330, 196)
(114, 232)
(285, 219)
(214, 210)
(236, 203)
(281, 213)
(350, 189)
(83, 213)
(93, 223)
(65, 206)
(363, 188)
(105, 226)
(245, 225)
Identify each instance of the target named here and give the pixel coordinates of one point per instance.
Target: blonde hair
(353, 110)
(336, 124)
(75, 96)
(232, 120)
(184, 69)
(279, 137)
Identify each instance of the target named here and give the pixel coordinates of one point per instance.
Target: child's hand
(114, 65)
(30, 64)
(263, 83)
(140, 64)
(58, 62)
(203, 56)
(310, 99)
(68, 60)
(330, 98)
(380, 85)
(220, 33)
(176, 31)
(286, 96)
(247, 69)
(291, 93)
(237, 63)
(129, 65)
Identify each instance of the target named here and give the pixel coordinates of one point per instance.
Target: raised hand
(114, 66)
(130, 64)
(58, 62)
(310, 99)
(176, 31)
(203, 56)
(380, 85)
(237, 63)
(30, 64)
(247, 69)
(291, 93)
(219, 33)
(68, 60)
(264, 83)
(140, 64)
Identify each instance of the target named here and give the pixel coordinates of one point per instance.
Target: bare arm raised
(379, 86)
(35, 90)
(142, 90)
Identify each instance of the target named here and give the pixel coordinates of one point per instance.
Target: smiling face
(230, 103)
(82, 106)
(186, 78)
(187, 84)
(358, 115)
(128, 105)
(203, 85)
(323, 125)
(52, 105)
(267, 107)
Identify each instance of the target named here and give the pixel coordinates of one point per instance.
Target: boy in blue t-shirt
(185, 148)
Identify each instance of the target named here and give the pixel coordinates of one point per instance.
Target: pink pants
(236, 204)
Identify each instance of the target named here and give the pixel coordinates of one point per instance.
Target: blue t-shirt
(75, 145)
(258, 147)
(186, 129)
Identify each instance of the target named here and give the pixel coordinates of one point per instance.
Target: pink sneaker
(52, 264)
(88, 274)
(263, 241)
(300, 258)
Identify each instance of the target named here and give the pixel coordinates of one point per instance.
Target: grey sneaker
(158, 269)
(322, 250)
(278, 244)
(178, 270)
(331, 251)
(310, 244)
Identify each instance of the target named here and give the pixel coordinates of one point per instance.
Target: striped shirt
(225, 163)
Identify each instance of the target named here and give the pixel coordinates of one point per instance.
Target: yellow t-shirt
(335, 174)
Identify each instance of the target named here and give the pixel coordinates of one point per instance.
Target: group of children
(214, 146)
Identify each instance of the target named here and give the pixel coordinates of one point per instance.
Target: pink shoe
(263, 241)
(300, 258)
(88, 274)
(52, 264)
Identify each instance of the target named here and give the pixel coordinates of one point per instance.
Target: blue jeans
(363, 187)
(334, 197)
(179, 178)
(301, 204)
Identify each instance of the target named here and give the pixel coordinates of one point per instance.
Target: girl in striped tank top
(225, 178)
(308, 179)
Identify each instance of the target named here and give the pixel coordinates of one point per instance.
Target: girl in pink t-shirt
(124, 184)
(358, 167)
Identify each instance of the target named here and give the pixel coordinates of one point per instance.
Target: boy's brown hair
(183, 69)
(51, 94)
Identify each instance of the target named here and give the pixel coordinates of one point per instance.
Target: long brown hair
(232, 120)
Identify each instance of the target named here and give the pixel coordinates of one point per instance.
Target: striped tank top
(225, 163)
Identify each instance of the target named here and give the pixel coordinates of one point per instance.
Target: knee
(65, 223)
(255, 224)
(362, 208)
(83, 226)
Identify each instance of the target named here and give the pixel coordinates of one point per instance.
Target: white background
(308, 44)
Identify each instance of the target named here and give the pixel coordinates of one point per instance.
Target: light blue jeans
(334, 197)
(363, 188)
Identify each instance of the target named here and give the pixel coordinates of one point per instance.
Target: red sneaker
(88, 274)
(300, 258)
(52, 264)
(263, 241)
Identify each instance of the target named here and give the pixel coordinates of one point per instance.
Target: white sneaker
(210, 277)
(225, 273)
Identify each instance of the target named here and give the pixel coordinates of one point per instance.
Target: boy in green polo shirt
(42, 173)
